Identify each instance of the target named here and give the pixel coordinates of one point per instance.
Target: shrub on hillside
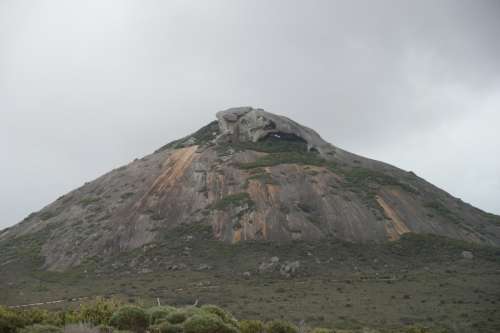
(81, 328)
(40, 328)
(166, 327)
(105, 329)
(225, 316)
(130, 318)
(39, 316)
(322, 330)
(280, 326)
(177, 317)
(98, 312)
(207, 323)
(9, 321)
(13, 320)
(159, 313)
(418, 329)
(251, 326)
(190, 310)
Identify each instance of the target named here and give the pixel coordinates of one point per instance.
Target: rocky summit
(250, 175)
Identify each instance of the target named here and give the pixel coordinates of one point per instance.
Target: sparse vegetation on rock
(237, 199)
(89, 200)
(201, 137)
(284, 158)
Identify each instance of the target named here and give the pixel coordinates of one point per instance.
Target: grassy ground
(417, 280)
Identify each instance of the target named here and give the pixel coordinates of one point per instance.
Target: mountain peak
(250, 175)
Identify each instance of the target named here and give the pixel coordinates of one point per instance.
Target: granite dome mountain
(249, 175)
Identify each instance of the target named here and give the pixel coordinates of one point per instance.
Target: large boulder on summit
(249, 124)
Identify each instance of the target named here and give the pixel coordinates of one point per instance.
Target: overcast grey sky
(86, 86)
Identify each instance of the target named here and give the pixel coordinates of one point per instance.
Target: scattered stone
(247, 275)
(177, 267)
(289, 268)
(286, 269)
(467, 255)
(116, 265)
(187, 251)
(269, 266)
(204, 267)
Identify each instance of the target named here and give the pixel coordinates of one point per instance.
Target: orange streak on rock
(264, 228)
(266, 193)
(397, 227)
(176, 165)
(237, 236)
(263, 195)
(273, 191)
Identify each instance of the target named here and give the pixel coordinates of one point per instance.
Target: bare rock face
(250, 175)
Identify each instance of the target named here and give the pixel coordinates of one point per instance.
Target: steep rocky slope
(250, 175)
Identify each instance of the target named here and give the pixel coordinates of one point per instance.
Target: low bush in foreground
(207, 323)
(251, 326)
(39, 328)
(130, 318)
(280, 326)
(158, 314)
(166, 327)
(109, 316)
(322, 330)
(86, 328)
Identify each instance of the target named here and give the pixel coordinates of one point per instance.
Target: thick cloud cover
(86, 86)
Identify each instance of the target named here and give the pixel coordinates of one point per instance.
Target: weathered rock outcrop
(249, 124)
(251, 175)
